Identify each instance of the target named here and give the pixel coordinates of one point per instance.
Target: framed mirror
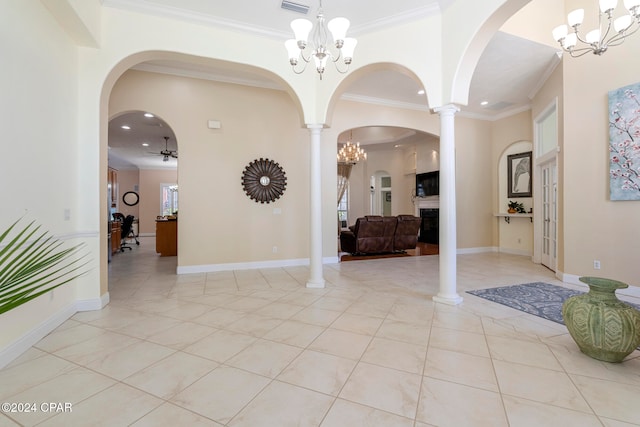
(264, 180)
(130, 198)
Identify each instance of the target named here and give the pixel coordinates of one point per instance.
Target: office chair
(132, 232)
(127, 229)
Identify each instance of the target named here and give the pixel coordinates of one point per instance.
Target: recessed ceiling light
(421, 92)
(148, 115)
(125, 127)
(145, 144)
(397, 146)
(483, 103)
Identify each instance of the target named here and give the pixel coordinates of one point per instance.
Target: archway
(181, 124)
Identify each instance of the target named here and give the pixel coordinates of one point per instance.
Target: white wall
(40, 176)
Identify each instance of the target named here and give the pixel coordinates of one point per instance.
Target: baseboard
(26, 341)
(210, 268)
(93, 303)
(479, 250)
(147, 235)
(632, 291)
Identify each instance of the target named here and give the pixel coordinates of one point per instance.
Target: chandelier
(598, 40)
(350, 153)
(320, 50)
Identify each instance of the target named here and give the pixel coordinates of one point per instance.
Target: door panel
(549, 215)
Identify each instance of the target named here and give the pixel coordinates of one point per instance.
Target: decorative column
(315, 206)
(448, 246)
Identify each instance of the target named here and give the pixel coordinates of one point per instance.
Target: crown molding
(492, 118)
(384, 102)
(165, 11)
(553, 64)
(203, 75)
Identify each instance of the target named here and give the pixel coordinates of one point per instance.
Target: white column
(448, 249)
(315, 206)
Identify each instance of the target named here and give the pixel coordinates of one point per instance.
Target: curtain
(344, 170)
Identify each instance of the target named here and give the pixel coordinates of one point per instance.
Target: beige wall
(219, 224)
(594, 226)
(150, 181)
(510, 136)
(474, 187)
(128, 179)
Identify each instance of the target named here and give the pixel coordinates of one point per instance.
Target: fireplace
(428, 208)
(429, 231)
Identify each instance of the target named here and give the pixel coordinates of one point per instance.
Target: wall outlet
(519, 240)
(275, 249)
(596, 264)
(67, 214)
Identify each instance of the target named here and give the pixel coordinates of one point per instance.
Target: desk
(116, 236)
(167, 237)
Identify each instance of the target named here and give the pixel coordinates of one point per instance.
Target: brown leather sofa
(374, 234)
(406, 235)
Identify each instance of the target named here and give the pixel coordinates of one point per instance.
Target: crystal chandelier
(350, 153)
(320, 51)
(598, 40)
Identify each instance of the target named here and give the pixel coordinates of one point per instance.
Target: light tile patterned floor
(256, 348)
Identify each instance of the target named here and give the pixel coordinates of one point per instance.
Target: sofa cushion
(406, 233)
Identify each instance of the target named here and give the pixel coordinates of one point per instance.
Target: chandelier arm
(306, 59)
(575, 31)
(304, 67)
(577, 53)
(337, 58)
(339, 70)
(603, 37)
(619, 38)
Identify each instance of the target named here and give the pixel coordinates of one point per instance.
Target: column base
(454, 299)
(315, 284)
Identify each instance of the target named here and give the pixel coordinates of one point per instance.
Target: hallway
(256, 348)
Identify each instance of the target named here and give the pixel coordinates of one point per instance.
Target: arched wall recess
(503, 179)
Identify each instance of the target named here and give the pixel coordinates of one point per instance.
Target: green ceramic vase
(604, 327)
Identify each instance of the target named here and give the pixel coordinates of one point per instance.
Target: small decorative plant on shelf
(32, 264)
(515, 207)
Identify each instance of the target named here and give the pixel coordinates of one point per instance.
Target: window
(546, 126)
(168, 199)
(343, 207)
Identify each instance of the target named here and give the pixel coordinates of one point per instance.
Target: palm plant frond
(32, 263)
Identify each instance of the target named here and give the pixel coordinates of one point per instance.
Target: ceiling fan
(166, 153)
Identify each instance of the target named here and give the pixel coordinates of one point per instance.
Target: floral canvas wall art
(624, 143)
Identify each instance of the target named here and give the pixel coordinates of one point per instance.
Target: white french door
(549, 175)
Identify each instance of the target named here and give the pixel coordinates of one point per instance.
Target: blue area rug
(540, 299)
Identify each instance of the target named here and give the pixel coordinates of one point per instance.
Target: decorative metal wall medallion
(264, 180)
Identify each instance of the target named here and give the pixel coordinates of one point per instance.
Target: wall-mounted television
(428, 184)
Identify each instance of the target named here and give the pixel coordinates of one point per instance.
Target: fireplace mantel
(430, 202)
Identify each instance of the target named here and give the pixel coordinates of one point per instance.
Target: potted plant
(32, 263)
(515, 207)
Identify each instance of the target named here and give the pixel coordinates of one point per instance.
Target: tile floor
(256, 348)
